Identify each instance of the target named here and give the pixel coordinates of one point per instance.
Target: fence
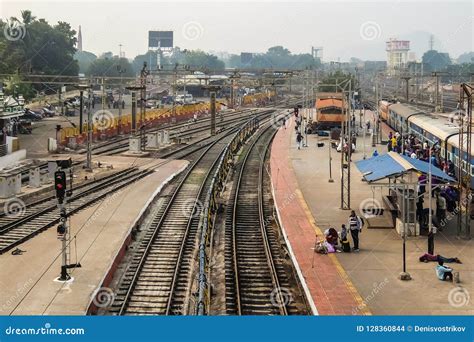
(106, 125)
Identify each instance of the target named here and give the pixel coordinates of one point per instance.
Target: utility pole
(134, 90)
(212, 92)
(175, 76)
(143, 76)
(465, 144)
(407, 81)
(437, 74)
(346, 131)
(89, 132)
(121, 71)
(81, 110)
(81, 88)
(233, 77)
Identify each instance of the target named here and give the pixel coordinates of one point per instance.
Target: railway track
(157, 280)
(181, 130)
(44, 214)
(257, 275)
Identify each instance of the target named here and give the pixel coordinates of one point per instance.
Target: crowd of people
(446, 196)
(412, 147)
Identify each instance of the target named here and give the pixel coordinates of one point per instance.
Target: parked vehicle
(31, 115)
(48, 112)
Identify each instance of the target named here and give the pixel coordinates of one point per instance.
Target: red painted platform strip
(329, 285)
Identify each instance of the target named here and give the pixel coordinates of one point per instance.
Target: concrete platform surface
(375, 269)
(27, 285)
(329, 286)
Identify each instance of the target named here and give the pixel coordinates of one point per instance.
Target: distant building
(397, 55)
(79, 39)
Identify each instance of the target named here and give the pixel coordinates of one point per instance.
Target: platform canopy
(393, 164)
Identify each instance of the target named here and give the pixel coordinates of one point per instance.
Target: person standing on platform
(355, 226)
(299, 139)
(440, 208)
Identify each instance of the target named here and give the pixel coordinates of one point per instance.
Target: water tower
(397, 55)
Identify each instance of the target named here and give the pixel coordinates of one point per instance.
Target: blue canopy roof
(393, 164)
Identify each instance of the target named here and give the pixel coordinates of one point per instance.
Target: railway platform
(102, 232)
(366, 282)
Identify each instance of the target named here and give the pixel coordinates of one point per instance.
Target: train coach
(431, 128)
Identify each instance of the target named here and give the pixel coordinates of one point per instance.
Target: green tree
(84, 60)
(467, 57)
(435, 61)
(110, 68)
(201, 60)
(39, 48)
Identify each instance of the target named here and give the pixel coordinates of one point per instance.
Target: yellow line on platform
(361, 305)
(362, 308)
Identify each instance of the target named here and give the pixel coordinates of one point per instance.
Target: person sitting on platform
(444, 272)
(332, 236)
(430, 257)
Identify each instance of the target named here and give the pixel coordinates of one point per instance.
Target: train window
(442, 153)
(472, 170)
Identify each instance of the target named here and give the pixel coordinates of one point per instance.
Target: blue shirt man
(443, 272)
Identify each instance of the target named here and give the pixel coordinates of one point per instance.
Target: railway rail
(43, 214)
(157, 280)
(257, 277)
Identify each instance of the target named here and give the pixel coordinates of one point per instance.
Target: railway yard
(223, 224)
(190, 181)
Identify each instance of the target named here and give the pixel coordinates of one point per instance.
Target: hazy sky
(343, 28)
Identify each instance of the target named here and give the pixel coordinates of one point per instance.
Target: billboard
(398, 45)
(163, 39)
